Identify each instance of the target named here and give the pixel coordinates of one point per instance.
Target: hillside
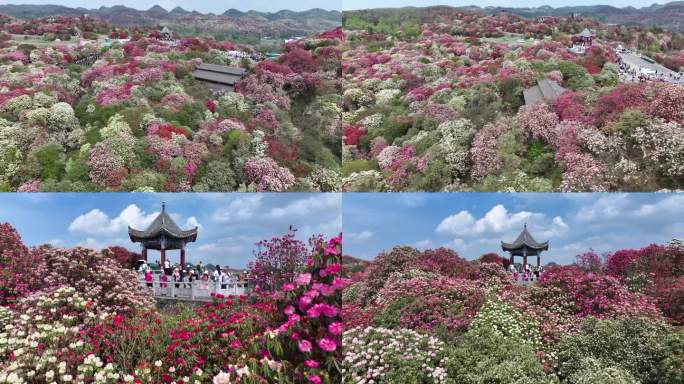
(296, 23)
(667, 16)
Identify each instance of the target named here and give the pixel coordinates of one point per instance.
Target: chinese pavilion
(525, 245)
(163, 234)
(585, 38)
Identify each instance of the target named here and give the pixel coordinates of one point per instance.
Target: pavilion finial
(163, 206)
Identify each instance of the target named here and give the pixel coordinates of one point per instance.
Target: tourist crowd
(184, 276)
(525, 273)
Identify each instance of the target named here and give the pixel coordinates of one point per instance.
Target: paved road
(637, 61)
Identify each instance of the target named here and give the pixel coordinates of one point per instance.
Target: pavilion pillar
(163, 257)
(144, 254)
(538, 261)
(182, 258)
(524, 260)
(512, 260)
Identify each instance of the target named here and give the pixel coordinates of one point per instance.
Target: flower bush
(393, 356)
(68, 94)
(452, 90)
(90, 320)
(599, 320)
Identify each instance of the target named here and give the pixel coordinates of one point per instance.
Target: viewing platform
(198, 290)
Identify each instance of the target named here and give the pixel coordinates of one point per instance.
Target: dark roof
(545, 91)
(222, 69)
(525, 240)
(162, 226)
(219, 77)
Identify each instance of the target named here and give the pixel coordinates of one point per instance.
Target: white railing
(197, 290)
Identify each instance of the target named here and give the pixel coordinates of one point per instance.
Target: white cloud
(193, 222)
(606, 207)
(456, 224)
(411, 199)
(558, 228)
(359, 236)
(242, 208)
(97, 222)
(496, 221)
(670, 205)
(423, 244)
(97, 245)
(499, 220)
(308, 206)
(56, 242)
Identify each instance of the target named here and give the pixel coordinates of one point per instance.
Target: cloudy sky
(475, 223)
(215, 6)
(363, 4)
(229, 224)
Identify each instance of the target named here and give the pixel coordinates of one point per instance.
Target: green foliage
(637, 346)
(483, 357)
(219, 177)
(482, 106)
(629, 121)
(47, 162)
(511, 94)
(359, 165)
(76, 168)
(576, 77)
(591, 371)
(671, 368)
(609, 76)
(190, 115)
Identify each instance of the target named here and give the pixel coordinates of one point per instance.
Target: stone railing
(197, 290)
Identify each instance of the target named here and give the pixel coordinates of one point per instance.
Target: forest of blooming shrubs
(78, 316)
(433, 101)
(419, 317)
(136, 119)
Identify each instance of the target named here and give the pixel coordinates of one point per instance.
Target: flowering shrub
(633, 345)
(452, 90)
(598, 295)
(41, 342)
(148, 83)
(383, 355)
(91, 321)
(278, 261)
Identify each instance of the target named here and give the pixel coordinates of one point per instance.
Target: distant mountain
(178, 11)
(122, 15)
(668, 16)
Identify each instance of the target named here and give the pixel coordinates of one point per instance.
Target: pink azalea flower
(311, 363)
(304, 345)
(336, 328)
(288, 287)
(303, 279)
(327, 344)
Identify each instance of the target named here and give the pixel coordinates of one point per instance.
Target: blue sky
(364, 4)
(229, 224)
(215, 6)
(475, 223)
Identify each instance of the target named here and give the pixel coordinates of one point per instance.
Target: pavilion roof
(586, 33)
(164, 225)
(546, 90)
(525, 240)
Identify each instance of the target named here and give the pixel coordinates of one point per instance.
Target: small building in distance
(166, 34)
(525, 246)
(219, 78)
(585, 38)
(546, 91)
